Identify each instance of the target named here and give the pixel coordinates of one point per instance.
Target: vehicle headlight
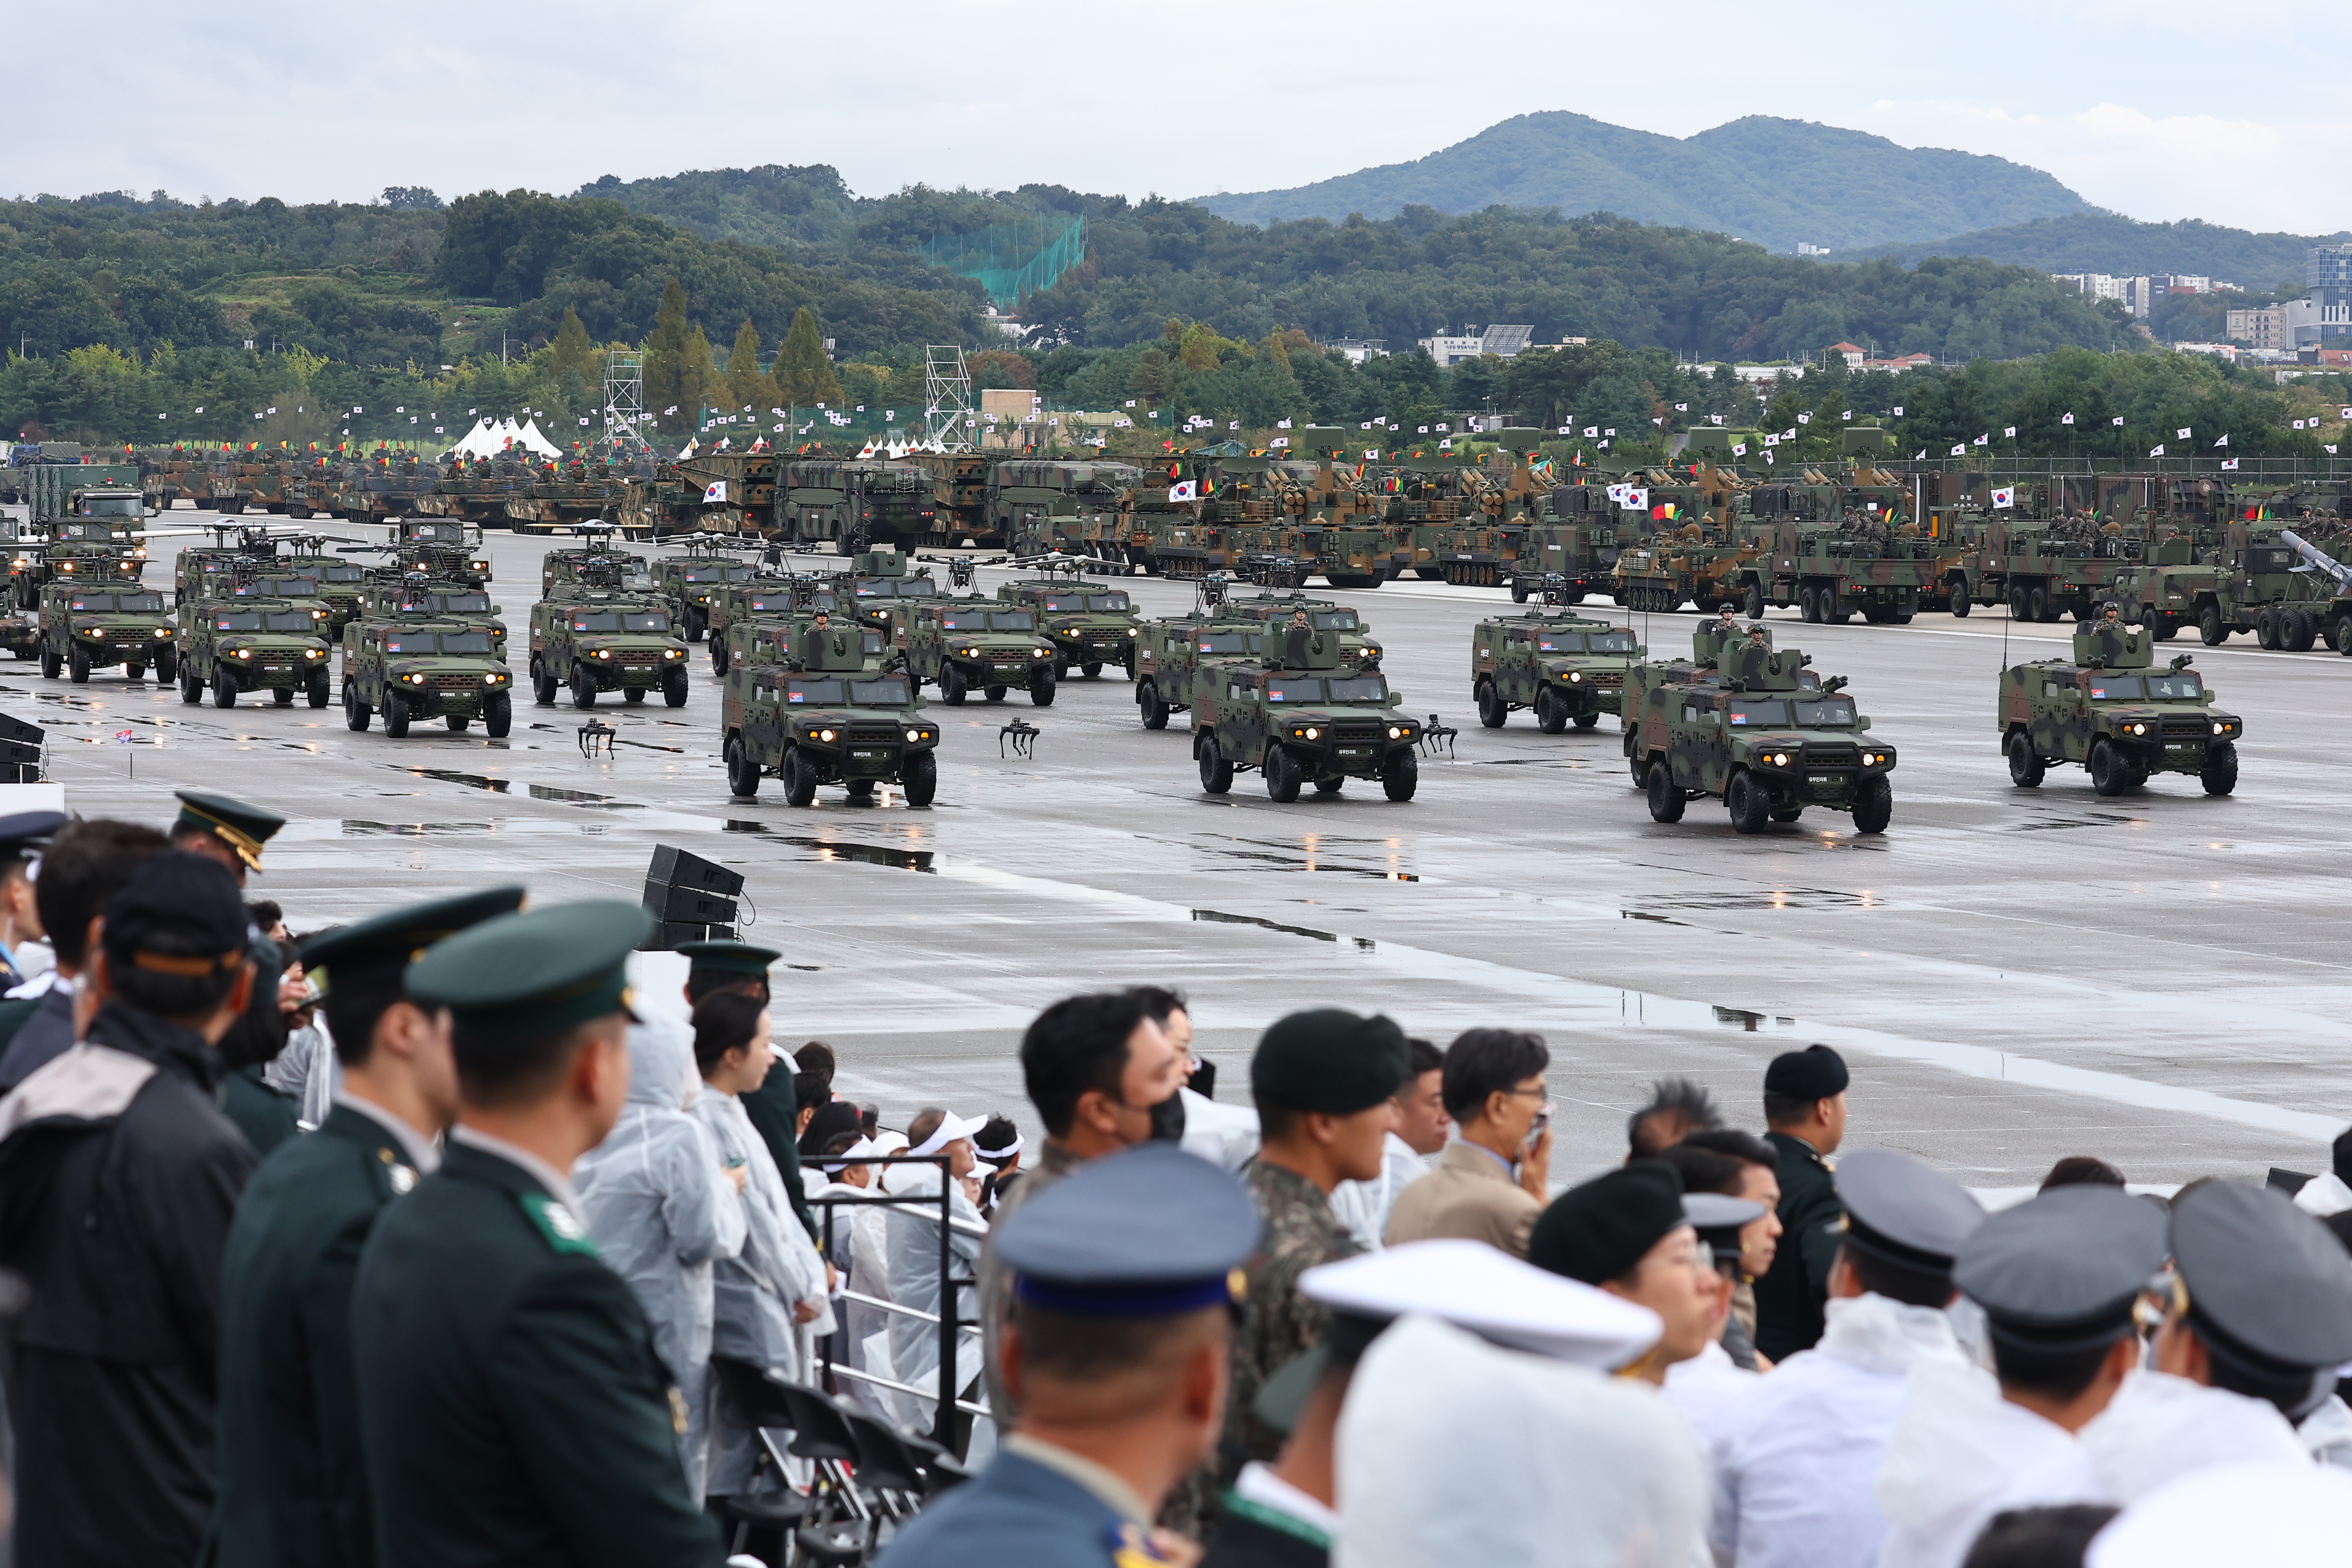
(2139, 729)
(416, 680)
(969, 653)
(1041, 653)
(1778, 759)
(1130, 631)
(603, 653)
(492, 678)
(314, 653)
(1575, 676)
(65, 566)
(1396, 733)
(913, 734)
(162, 631)
(97, 631)
(2220, 729)
(245, 653)
(824, 734)
(672, 653)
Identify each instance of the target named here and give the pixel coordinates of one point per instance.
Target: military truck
(412, 668)
(854, 503)
(253, 644)
(2111, 710)
(86, 627)
(1569, 667)
(600, 641)
(973, 644)
(1301, 718)
(1172, 653)
(827, 721)
(687, 584)
(1041, 505)
(65, 492)
(1090, 626)
(1740, 721)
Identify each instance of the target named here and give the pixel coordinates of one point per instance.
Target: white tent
(531, 438)
(495, 438)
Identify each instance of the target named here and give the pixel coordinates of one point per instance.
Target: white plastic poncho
(1795, 1461)
(755, 1290)
(1451, 1450)
(1959, 1454)
(2233, 1514)
(861, 1251)
(911, 1248)
(662, 1211)
(2158, 1429)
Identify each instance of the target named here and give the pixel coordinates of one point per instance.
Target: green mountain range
(2111, 243)
(1780, 182)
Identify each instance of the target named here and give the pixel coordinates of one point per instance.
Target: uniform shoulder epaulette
(558, 1224)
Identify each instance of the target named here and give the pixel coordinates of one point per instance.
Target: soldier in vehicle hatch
(812, 639)
(1296, 641)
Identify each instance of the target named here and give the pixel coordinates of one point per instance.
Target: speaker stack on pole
(692, 898)
(20, 751)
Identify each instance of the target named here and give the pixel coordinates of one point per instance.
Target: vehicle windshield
(1333, 620)
(717, 572)
(894, 588)
(1584, 642)
(767, 603)
(888, 692)
(1223, 642)
(812, 692)
(447, 642)
(126, 604)
(1825, 713)
(1754, 714)
(988, 621)
(457, 603)
(289, 587)
(619, 621)
(263, 620)
(340, 574)
(436, 533)
(1293, 690)
(2106, 687)
(113, 505)
(2174, 685)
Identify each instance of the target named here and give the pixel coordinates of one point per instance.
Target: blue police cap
(1149, 1233)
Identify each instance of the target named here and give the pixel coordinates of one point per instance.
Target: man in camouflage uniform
(1322, 1080)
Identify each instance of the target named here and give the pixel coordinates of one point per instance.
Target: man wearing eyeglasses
(1493, 1179)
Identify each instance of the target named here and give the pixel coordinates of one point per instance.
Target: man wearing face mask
(1103, 1076)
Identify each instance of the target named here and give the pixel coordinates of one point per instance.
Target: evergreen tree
(668, 397)
(574, 354)
(700, 381)
(745, 385)
(804, 375)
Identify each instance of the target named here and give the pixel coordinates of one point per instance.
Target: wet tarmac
(2160, 978)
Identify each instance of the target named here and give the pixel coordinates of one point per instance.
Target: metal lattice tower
(948, 418)
(625, 401)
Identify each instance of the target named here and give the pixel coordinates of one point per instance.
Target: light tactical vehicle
(439, 548)
(86, 627)
(687, 582)
(1358, 650)
(2111, 710)
(235, 646)
(1570, 668)
(410, 669)
(974, 644)
(594, 566)
(827, 720)
(414, 598)
(599, 642)
(1171, 654)
(779, 642)
(1740, 721)
(740, 604)
(876, 580)
(1301, 718)
(756, 610)
(341, 582)
(1089, 626)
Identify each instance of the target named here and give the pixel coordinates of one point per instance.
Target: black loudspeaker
(677, 869)
(20, 751)
(670, 935)
(672, 904)
(692, 898)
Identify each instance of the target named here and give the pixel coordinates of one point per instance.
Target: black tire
(78, 665)
(1147, 699)
(2219, 774)
(2109, 775)
(1330, 785)
(2339, 635)
(919, 780)
(1518, 592)
(860, 789)
(1959, 600)
(395, 715)
(632, 694)
(2302, 631)
(996, 693)
(52, 664)
(1809, 606)
(544, 685)
(320, 689)
(674, 686)
(1749, 802)
(800, 778)
(134, 670)
(281, 697)
(719, 656)
(2209, 628)
(1091, 669)
(1786, 812)
(2266, 628)
(192, 690)
(1492, 709)
(497, 716)
(1835, 607)
(1282, 775)
(583, 685)
(1587, 721)
(1875, 808)
(1754, 603)
(1041, 688)
(742, 772)
(1400, 773)
(356, 713)
(1666, 802)
(167, 665)
(1216, 772)
(953, 688)
(1551, 711)
(224, 689)
(2017, 605)
(2025, 766)
(2037, 604)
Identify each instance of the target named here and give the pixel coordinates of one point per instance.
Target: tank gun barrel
(2320, 561)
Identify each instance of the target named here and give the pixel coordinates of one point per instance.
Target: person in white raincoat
(770, 1297)
(911, 1234)
(662, 1210)
(2059, 1277)
(862, 1341)
(1796, 1458)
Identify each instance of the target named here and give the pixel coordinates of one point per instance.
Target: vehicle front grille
(2186, 727)
(874, 734)
(1832, 755)
(453, 682)
(638, 656)
(1356, 732)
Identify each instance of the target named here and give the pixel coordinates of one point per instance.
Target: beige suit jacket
(1469, 1196)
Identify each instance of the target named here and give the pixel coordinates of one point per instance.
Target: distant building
(1502, 341)
(1899, 363)
(1804, 249)
(1852, 353)
(1356, 350)
(2280, 329)
(2330, 276)
(2218, 350)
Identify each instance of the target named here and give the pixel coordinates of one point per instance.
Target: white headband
(998, 1156)
(950, 1128)
(848, 1156)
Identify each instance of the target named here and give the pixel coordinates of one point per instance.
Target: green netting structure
(1010, 259)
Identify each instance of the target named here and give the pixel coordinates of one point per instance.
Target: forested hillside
(2126, 248)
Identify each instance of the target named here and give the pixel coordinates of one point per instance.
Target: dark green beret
(535, 972)
(1816, 1072)
(1328, 1061)
(1600, 1230)
(244, 829)
(385, 945)
(730, 957)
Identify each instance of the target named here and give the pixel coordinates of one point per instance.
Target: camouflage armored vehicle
(1567, 667)
(1090, 626)
(762, 599)
(439, 548)
(287, 587)
(777, 642)
(408, 670)
(1692, 548)
(1834, 549)
(1171, 654)
(877, 579)
(854, 503)
(59, 493)
(1574, 535)
(599, 641)
(827, 720)
(416, 598)
(340, 581)
(966, 644)
(595, 565)
(1739, 722)
(2111, 710)
(1301, 718)
(252, 645)
(1357, 648)
(88, 627)
(687, 584)
(76, 550)
(1042, 506)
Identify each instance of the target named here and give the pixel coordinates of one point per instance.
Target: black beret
(187, 900)
(1816, 1072)
(1600, 1230)
(1328, 1061)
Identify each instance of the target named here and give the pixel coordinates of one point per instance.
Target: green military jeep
(828, 722)
(440, 548)
(1301, 718)
(251, 645)
(877, 580)
(973, 644)
(743, 605)
(1567, 667)
(85, 627)
(416, 598)
(2112, 710)
(1358, 650)
(414, 669)
(688, 584)
(1090, 626)
(1171, 654)
(1741, 721)
(594, 566)
(779, 642)
(606, 642)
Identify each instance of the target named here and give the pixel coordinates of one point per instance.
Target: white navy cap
(1493, 1294)
(2262, 1512)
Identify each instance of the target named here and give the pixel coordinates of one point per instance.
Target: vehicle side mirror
(1862, 722)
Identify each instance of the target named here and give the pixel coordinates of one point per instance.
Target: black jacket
(1791, 1296)
(38, 1037)
(119, 1177)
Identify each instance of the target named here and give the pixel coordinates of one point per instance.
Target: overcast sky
(2157, 109)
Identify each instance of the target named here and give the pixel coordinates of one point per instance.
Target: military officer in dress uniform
(22, 836)
(292, 1486)
(224, 829)
(1115, 1350)
(511, 1404)
(1804, 1119)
